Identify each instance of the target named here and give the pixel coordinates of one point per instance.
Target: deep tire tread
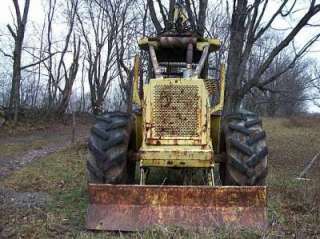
(240, 129)
(254, 122)
(238, 165)
(256, 158)
(256, 138)
(98, 174)
(241, 147)
(246, 150)
(114, 142)
(99, 133)
(108, 148)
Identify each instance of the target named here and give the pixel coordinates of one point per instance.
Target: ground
(45, 196)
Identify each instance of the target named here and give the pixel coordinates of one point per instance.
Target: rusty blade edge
(135, 218)
(132, 207)
(201, 196)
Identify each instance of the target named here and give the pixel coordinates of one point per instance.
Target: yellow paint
(169, 150)
(203, 109)
(180, 12)
(216, 112)
(219, 106)
(176, 151)
(178, 163)
(144, 43)
(135, 94)
(216, 132)
(137, 132)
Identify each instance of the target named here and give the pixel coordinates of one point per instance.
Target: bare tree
(103, 35)
(249, 23)
(126, 49)
(285, 96)
(61, 76)
(49, 66)
(104, 27)
(246, 29)
(17, 32)
(38, 55)
(69, 78)
(98, 28)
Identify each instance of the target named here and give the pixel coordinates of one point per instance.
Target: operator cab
(179, 55)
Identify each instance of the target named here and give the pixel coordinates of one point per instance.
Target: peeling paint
(132, 208)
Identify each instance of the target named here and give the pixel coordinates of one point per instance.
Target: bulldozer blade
(135, 207)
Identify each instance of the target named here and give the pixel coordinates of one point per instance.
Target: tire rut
(10, 164)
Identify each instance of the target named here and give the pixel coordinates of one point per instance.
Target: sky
(37, 14)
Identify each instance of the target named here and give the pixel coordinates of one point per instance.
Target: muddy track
(16, 152)
(51, 141)
(9, 164)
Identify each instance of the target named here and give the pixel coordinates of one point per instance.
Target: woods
(80, 56)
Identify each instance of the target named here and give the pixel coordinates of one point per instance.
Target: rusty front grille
(176, 111)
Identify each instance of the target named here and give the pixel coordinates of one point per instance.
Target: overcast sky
(36, 15)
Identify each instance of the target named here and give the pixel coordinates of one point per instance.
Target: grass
(13, 149)
(24, 127)
(61, 175)
(293, 206)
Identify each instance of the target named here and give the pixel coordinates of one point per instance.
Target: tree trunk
(237, 37)
(64, 101)
(16, 81)
(98, 105)
(18, 37)
(202, 16)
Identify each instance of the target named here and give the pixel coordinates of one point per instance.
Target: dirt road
(22, 149)
(19, 150)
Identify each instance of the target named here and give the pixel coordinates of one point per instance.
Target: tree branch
(171, 11)
(154, 18)
(202, 16)
(192, 19)
(291, 65)
(255, 79)
(17, 9)
(14, 35)
(163, 14)
(39, 62)
(6, 54)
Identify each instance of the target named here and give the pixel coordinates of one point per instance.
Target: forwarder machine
(177, 125)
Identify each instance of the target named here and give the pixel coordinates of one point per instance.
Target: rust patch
(171, 116)
(131, 208)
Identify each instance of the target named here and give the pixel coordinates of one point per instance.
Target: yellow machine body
(176, 126)
(177, 118)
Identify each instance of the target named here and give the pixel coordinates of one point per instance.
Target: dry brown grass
(293, 205)
(27, 126)
(302, 121)
(12, 149)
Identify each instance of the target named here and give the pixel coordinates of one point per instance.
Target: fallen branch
(307, 168)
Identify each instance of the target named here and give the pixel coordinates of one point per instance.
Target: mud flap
(135, 208)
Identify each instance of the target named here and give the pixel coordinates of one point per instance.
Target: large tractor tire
(107, 160)
(246, 151)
